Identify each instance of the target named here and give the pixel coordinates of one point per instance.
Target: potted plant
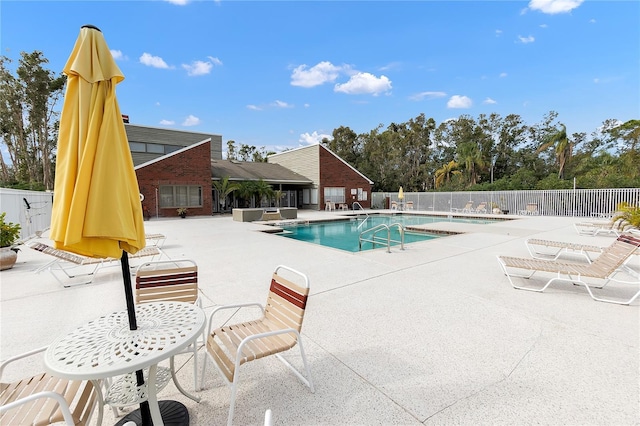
(182, 212)
(9, 234)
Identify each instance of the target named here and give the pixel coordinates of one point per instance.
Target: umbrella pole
(133, 325)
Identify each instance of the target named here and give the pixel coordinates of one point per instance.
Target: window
(137, 147)
(335, 195)
(310, 196)
(155, 148)
(180, 196)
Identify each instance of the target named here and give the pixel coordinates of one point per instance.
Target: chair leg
(178, 385)
(232, 402)
(306, 380)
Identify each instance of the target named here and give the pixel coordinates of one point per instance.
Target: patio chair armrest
(232, 306)
(20, 356)
(260, 336)
(62, 403)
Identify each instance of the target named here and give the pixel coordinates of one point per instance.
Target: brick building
(179, 179)
(334, 180)
(176, 169)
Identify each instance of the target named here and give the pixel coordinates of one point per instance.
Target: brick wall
(189, 167)
(335, 173)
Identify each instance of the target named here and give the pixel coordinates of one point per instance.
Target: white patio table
(106, 347)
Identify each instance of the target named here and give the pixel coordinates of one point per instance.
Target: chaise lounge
(603, 269)
(74, 265)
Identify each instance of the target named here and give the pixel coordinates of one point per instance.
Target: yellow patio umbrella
(96, 208)
(401, 194)
(96, 205)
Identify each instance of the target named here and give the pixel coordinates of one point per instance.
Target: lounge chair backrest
(64, 255)
(286, 303)
(174, 283)
(616, 254)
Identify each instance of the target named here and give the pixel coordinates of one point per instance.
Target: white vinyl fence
(31, 209)
(561, 202)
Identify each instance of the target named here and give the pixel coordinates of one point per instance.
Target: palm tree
(444, 173)
(224, 188)
(470, 155)
(246, 190)
(263, 189)
(562, 145)
(627, 216)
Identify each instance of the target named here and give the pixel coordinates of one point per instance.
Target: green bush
(9, 232)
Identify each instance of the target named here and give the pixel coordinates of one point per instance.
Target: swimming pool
(344, 234)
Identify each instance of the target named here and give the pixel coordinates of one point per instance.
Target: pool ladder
(374, 238)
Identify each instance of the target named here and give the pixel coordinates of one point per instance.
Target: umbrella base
(173, 413)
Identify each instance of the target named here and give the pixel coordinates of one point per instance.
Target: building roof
(247, 170)
(308, 147)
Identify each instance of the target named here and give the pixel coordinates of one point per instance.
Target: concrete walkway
(434, 334)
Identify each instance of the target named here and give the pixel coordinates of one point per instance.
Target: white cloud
(427, 95)
(526, 40)
(498, 33)
(489, 101)
(178, 2)
(167, 122)
(254, 107)
(307, 105)
(313, 138)
(392, 65)
(553, 7)
(592, 21)
(201, 67)
(191, 121)
(543, 26)
(323, 72)
(281, 104)
(153, 61)
(503, 74)
(117, 55)
(457, 101)
(364, 83)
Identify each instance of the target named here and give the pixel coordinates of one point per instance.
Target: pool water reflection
(344, 234)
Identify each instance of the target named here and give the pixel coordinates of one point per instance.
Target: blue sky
(282, 74)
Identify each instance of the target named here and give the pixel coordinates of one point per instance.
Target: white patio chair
(277, 331)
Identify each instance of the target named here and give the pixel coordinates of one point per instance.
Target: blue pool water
(344, 234)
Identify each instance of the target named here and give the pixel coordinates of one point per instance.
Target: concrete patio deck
(434, 334)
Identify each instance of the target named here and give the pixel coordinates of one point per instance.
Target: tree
(444, 173)
(628, 134)
(28, 120)
(224, 188)
(562, 146)
(263, 189)
(231, 150)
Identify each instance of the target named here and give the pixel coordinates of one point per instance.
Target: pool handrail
(378, 228)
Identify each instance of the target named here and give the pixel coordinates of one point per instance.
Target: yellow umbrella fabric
(96, 207)
(400, 194)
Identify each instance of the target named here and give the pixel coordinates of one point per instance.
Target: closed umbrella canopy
(96, 208)
(400, 194)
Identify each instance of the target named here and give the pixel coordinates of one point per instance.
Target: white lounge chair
(596, 228)
(74, 265)
(603, 269)
(468, 208)
(482, 208)
(549, 249)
